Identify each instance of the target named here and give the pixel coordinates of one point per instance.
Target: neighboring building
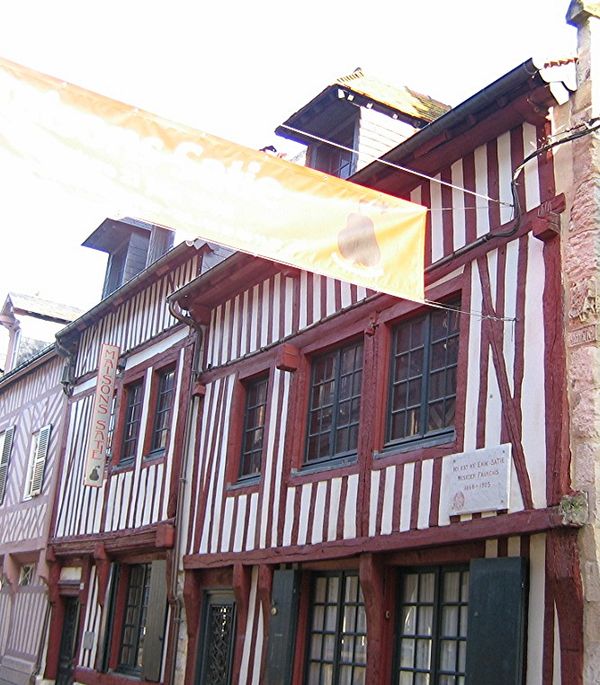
(31, 323)
(381, 491)
(32, 418)
(114, 530)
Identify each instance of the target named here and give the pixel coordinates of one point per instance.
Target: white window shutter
(6, 441)
(39, 461)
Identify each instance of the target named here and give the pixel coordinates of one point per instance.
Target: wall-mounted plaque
(476, 481)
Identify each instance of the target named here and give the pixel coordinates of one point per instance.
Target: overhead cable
(414, 172)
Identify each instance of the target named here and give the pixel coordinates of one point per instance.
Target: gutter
(29, 365)
(92, 314)
(504, 86)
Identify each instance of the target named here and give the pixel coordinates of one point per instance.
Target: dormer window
(334, 160)
(131, 245)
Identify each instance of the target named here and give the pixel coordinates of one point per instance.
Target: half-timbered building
(32, 416)
(376, 485)
(114, 522)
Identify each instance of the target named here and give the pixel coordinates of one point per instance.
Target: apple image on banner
(357, 242)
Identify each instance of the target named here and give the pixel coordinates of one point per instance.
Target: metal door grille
(218, 642)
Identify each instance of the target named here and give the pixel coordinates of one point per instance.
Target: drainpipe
(177, 313)
(67, 376)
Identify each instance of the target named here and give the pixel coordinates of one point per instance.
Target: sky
(236, 69)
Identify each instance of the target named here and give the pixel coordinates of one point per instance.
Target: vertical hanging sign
(105, 387)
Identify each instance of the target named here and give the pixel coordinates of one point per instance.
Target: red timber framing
(379, 510)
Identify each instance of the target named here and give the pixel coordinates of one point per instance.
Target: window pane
(407, 653)
(423, 654)
(451, 586)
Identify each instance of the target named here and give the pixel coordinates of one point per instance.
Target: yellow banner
(137, 164)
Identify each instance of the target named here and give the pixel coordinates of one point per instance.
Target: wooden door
(66, 656)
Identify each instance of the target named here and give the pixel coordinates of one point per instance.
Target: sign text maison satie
(477, 481)
(105, 388)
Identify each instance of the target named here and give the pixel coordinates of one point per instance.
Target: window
(165, 395)
(26, 575)
(137, 619)
(37, 462)
(134, 623)
(432, 627)
(6, 441)
(337, 640)
(334, 406)
(423, 376)
(254, 426)
(133, 415)
(335, 160)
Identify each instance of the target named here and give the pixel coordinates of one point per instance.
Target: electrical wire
(400, 167)
(582, 129)
(480, 315)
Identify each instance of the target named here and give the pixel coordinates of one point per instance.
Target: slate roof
(399, 98)
(39, 307)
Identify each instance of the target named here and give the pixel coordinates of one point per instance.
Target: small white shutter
(6, 441)
(39, 462)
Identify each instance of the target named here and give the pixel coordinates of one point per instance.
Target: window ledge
(244, 483)
(155, 455)
(416, 444)
(327, 465)
(123, 466)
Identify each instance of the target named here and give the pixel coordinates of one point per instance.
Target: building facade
(113, 528)
(346, 521)
(32, 419)
(265, 475)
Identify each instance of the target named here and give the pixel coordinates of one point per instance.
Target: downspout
(178, 314)
(67, 378)
(586, 129)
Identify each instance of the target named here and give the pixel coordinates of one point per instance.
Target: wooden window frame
(261, 368)
(339, 631)
(333, 457)
(450, 441)
(117, 608)
(153, 411)
(250, 385)
(140, 609)
(424, 436)
(129, 460)
(26, 574)
(159, 364)
(437, 604)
